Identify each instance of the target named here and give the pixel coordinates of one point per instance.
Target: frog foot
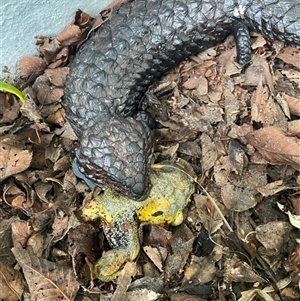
(110, 265)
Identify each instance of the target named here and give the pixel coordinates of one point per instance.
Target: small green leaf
(5, 87)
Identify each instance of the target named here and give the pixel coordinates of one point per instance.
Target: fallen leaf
(293, 103)
(11, 283)
(47, 281)
(275, 146)
(21, 231)
(263, 108)
(259, 71)
(58, 76)
(32, 65)
(13, 160)
(272, 235)
(76, 32)
(238, 198)
(9, 108)
(124, 281)
(292, 75)
(290, 55)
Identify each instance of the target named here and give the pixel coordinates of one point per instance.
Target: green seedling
(5, 87)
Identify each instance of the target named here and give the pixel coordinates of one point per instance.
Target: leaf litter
(236, 131)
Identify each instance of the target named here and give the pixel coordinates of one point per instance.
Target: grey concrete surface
(22, 20)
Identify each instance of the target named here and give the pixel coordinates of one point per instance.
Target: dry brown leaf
(185, 297)
(13, 160)
(11, 283)
(58, 76)
(237, 156)
(46, 93)
(124, 281)
(142, 294)
(236, 270)
(273, 234)
(259, 71)
(290, 55)
(57, 117)
(275, 146)
(47, 281)
(294, 128)
(238, 198)
(76, 32)
(61, 58)
(293, 103)
(263, 108)
(272, 188)
(202, 269)
(9, 108)
(21, 231)
(293, 76)
(32, 65)
(30, 110)
(182, 243)
(48, 48)
(295, 200)
(155, 236)
(209, 153)
(155, 256)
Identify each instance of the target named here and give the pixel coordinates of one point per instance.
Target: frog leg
(122, 235)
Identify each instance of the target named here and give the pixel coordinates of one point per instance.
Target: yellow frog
(170, 193)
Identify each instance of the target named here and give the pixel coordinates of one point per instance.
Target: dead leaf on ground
(263, 108)
(76, 32)
(46, 280)
(275, 146)
(292, 75)
(11, 283)
(21, 231)
(202, 270)
(273, 234)
(185, 297)
(124, 281)
(237, 271)
(58, 76)
(13, 160)
(290, 55)
(32, 65)
(9, 108)
(259, 72)
(293, 103)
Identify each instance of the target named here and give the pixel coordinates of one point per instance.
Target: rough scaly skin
(141, 41)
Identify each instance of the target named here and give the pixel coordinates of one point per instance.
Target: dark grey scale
(141, 41)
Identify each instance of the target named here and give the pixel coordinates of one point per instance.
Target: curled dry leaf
(9, 108)
(76, 32)
(275, 146)
(13, 160)
(155, 235)
(21, 232)
(32, 65)
(48, 48)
